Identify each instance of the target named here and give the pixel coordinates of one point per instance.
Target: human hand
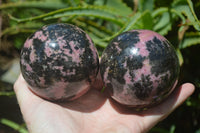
(93, 112)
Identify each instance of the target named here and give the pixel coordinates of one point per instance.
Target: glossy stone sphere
(59, 62)
(139, 68)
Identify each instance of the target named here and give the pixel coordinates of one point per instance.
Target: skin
(94, 112)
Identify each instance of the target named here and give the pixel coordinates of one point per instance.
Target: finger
(26, 99)
(38, 114)
(170, 104)
(182, 94)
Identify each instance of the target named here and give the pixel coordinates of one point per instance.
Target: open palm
(92, 113)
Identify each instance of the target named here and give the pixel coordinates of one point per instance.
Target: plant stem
(13, 125)
(33, 4)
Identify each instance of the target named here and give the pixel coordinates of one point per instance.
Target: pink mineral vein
(145, 70)
(39, 35)
(146, 35)
(28, 43)
(76, 53)
(142, 49)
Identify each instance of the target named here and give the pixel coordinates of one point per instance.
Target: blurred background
(177, 20)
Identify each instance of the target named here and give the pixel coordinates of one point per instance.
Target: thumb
(26, 99)
(161, 111)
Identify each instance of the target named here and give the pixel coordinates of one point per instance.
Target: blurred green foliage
(177, 20)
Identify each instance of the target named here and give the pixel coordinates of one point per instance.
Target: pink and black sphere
(139, 68)
(59, 62)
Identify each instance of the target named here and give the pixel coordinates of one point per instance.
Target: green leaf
(164, 25)
(132, 21)
(101, 12)
(172, 129)
(146, 21)
(94, 28)
(140, 21)
(73, 2)
(146, 5)
(89, 13)
(120, 7)
(103, 89)
(12, 93)
(28, 27)
(197, 23)
(95, 31)
(158, 130)
(13, 125)
(198, 131)
(190, 38)
(99, 2)
(164, 19)
(34, 4)
(96, 25)
(180, 57)
(186, 8)
(159, 11)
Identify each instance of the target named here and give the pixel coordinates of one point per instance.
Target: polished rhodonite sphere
(139, 68)
(59, 62)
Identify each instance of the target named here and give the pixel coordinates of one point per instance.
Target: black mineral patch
(127, 39)
(136, 62)
(162, 57)
(39, 49)
(143, 87)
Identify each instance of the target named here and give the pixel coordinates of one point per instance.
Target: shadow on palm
(95, 99)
